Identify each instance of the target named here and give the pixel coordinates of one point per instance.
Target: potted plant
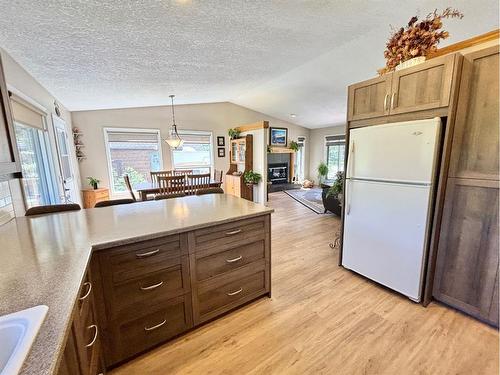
(336, 190)
(94, 182)
(233, 133)
(322, 171)
(410, 45)
(251, 178)
(294, 146)
(332, 194)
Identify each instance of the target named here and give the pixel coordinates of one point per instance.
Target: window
(335, 147)
(196, 152)
(37, 164)
(135, 152)
(300, 159)
(38, 180)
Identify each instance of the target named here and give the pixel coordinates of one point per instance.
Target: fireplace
(277, 173)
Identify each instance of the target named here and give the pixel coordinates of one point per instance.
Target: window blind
(27, 114)
(132, 137)
(200, 138)
(301, 141)
(332, 140)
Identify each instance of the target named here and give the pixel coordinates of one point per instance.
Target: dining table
(148, 188)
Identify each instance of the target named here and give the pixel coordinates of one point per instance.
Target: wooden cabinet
(9, 158)
(92, 196)
(151, 291)
(467, 262)
(369, 98)
(475, 149)
(83, 350)
(422, 87)
(232, 185)
(241, 160)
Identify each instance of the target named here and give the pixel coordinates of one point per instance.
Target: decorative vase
(410, 63)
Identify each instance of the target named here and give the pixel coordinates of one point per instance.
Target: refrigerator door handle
(348, 198)
(350, 160)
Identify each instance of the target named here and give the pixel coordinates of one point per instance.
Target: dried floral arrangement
(417, 38)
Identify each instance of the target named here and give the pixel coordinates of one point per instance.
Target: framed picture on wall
(221, 152)
(278, 137)
(221, 141)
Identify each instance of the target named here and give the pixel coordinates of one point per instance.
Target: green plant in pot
(322, 172)
(94, 182)
(294, 146)
(337, 187)
(251, 178)
(233, 133)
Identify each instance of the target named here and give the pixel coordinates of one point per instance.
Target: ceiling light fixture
(293, 115)
(173, 139)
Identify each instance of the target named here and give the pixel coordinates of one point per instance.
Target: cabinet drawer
(131, 261)
(160, 323)
(231, 290)
(127, 298)
(219, 263)
(227, 236)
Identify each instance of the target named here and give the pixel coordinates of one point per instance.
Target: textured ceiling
(276, 57)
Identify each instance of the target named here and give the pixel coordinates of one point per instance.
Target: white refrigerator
(388, 194)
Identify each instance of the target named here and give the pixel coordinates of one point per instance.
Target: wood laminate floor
(323, 319)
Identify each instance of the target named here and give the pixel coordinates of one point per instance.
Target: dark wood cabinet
(467, 262)
(9, 159)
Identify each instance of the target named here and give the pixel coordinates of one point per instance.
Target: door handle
(393, 96)
(350, 160)
(386, 98)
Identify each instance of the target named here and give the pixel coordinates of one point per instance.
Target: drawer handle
(233, 232)
(152, 286)
(89, 285)
(148, 254)
(95, 335)
(235, 293)
(234, 259)
(156, 326)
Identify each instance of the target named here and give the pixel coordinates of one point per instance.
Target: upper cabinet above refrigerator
(9, 159)
(422, 87)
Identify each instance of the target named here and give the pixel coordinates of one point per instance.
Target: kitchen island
(204, 246)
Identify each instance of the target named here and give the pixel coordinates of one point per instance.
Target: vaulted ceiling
(276, 57)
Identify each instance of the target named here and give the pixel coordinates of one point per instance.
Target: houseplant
(337, 187)
(294, 146)
(94, 182)
(417, 39)
(251, 178)
(233, 133)
(322, 171)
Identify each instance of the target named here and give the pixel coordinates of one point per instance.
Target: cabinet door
(475, 138)
(467, 264)
(422, 87)
(9, 160)
(69, 364)
(369, 98)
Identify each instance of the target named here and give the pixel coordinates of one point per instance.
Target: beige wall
(215, 117)
(317, 149)
(22, 81)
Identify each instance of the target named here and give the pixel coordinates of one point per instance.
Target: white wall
(22, 81)
(317, 149)
(215, 117)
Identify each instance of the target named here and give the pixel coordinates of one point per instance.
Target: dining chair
(113, 202)
(210, 190)
(53, 208)
(179, 172)
(218, 175)
(171, 185)
(156, 174)
(168, 196)
(197, 181)
(129, 186)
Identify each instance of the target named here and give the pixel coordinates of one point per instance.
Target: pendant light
(173, 139)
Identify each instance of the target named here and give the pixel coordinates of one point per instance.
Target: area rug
(311, 198)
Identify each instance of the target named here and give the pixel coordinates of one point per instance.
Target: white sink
(17, 333)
